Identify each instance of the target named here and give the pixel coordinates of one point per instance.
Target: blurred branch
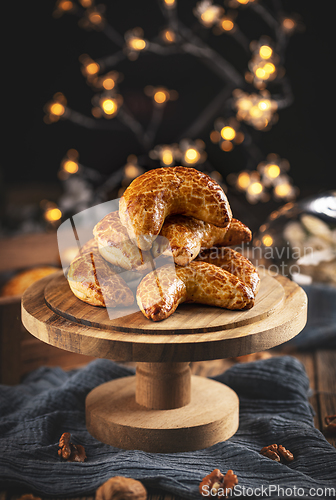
(111, 60)
(156, 119)
(91, 123)
(208, 114)
(195, 46)
(112, 34)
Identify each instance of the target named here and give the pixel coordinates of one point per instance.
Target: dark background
(43, 59)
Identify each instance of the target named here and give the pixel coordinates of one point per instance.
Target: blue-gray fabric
(274, 408)
(320, 330)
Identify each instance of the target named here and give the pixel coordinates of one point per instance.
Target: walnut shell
(121, 488)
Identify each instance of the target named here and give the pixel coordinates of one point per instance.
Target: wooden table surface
(321, 370)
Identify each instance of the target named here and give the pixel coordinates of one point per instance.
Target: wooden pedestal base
(114, 417)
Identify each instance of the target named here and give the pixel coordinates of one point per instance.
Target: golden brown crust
(158, 193)
(161, 291)
(116, 247)
(93, 280)
(21, 281)
(236, 234)
(89, 246)
(187, 236)
(232, 261)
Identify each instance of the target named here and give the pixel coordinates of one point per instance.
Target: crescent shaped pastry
(115, 245)
(161, 291)
(187, 236)
(89, 246)
(95, 281)
(236, 234)
(156, 194)
(21, 281)
(234, 263)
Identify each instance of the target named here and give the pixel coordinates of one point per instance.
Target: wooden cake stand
(163, 408)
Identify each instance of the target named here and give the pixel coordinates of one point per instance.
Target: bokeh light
(258, 110)
(207, 13)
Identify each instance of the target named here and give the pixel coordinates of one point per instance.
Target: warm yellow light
(255, 188)
(86, 3)
(228, 133)
(269, 68)
(169, 2)
(227, 24)
(209, 15)
(137, 43)
(243, 180)
(261, 73)
(108, 83)
(169, 36)
(273, 171)
(191, 155)
(167, 157)
(243, 2)
(70, 166)
(263, 105)
(255, 112)
(265, 51)
(244, 104)
(92, 68)
(267, 240)
(95, 18)
(226, 146)
(57, 109)
(288, 24)
(109, 106)
(131, 171)
(53, 214)
(66, 5)
(282, 190)
(160, 97)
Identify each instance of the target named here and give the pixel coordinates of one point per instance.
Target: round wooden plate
(188, 318)
(194, 332)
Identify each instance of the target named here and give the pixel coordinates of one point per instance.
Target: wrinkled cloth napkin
(273, 409)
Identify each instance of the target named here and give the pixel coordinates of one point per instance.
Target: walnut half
(121, 488)
(69, 451)
(230, 481)
(277, 452)
(218, 485)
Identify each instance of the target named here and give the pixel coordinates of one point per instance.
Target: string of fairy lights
(249, 103)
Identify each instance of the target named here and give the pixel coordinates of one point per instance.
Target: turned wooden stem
(163, 386)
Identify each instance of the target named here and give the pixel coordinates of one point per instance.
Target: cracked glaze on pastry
(95, 281)
(161, 291)
(187, 236)
(236, 234)
(161, 192)
(116, 247)
(89, 246)
(234, 263)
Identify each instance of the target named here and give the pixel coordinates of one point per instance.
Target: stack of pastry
(181, 211)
